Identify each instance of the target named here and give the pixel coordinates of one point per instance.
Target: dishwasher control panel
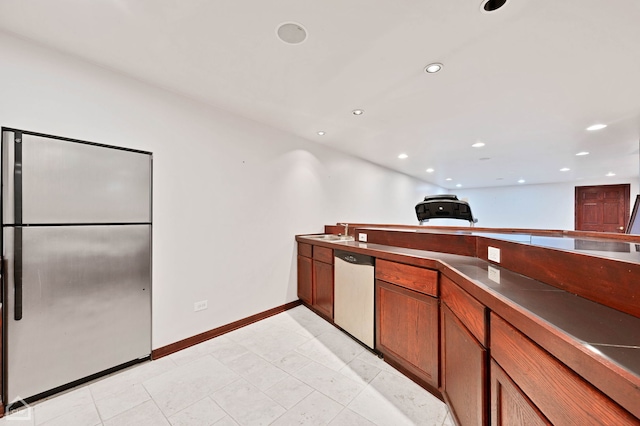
(355, 258)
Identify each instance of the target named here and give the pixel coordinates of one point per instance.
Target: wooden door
(602, 208)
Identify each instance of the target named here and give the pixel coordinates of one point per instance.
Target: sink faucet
(346, 228)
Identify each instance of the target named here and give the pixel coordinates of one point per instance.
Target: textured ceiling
(526, 80)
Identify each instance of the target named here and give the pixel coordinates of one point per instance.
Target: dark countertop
(561, 322)
(618, 250)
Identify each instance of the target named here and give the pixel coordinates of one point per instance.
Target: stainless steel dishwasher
(353, 308)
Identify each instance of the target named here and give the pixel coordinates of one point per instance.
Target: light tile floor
(290, 369)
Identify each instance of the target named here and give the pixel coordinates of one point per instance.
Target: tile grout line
(309, 339)
(156, 405)
(227, 414)
(210, 396)
(95, 405)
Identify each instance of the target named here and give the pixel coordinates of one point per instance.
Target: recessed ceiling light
(291, 33)
(357, 112)
(499, 178)
(458, 185)
(485, 158)
(478, 144)
(488, 6)
(403, 156)
(433, 68)
(521, 181)
(596, 127)
(583, 153)
(430, 170)
(565, 169)
(321, 133)
(448, 179)
(610, 174)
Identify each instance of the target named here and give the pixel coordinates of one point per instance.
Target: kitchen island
(546, 332)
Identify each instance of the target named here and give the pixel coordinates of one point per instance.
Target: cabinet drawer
(323, 254)
(561, 395)
(468, 310)
(411, 277)
(304, 249)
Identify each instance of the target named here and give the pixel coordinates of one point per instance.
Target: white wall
(229, 193)
(548, 206)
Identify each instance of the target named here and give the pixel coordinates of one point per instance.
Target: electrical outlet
(494, 254)
(200, 306)
(362, 237)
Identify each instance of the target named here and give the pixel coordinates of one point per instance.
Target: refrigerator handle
(17, 274)
(17, 242)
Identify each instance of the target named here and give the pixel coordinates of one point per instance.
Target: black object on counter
(445, 206)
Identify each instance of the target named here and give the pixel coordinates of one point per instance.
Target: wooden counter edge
(619, 384)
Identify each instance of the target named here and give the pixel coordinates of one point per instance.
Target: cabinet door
(463, 372)
(407, 330)
(509, 406)
(557, 391)
(305, 279)
(323, 288)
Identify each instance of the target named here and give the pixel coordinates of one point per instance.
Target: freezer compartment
(86, 303)
(69, 182)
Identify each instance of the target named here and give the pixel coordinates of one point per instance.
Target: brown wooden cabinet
(323, 287)
(323, 281)
(411, 277)
(542, 383)
(488, 355)
(407, 330)
(509, 406)
(464, 356)
(315, 278)
(463, 370)
(305, 273)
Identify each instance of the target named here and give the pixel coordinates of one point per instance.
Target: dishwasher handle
(354, 258)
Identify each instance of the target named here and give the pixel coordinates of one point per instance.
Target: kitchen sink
(330, 237)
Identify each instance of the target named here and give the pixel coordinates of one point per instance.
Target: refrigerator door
(86, 304)
(66, 182)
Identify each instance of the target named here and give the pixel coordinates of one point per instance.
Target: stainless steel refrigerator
(76, 244)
